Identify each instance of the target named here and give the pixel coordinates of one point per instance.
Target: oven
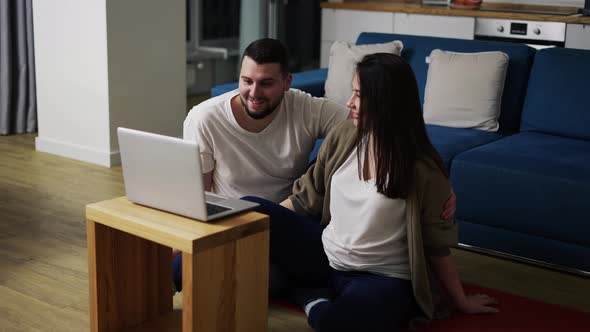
(536, 34)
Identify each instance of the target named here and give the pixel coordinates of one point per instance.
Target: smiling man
(256, 140)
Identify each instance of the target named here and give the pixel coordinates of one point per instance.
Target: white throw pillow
(342, 65)
(464, 90)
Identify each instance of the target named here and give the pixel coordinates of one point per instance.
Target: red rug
(516, 314)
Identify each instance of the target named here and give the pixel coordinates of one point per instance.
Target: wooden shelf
(170, 322)
(224, 270)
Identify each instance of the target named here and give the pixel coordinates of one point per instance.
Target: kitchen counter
(491, 10)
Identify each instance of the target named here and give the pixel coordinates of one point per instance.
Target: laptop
(164, 172)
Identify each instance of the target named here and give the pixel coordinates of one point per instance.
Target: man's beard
(259, 115)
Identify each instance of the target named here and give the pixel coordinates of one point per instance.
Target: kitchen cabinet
(460, 27)
(345, 25)
(577, 36)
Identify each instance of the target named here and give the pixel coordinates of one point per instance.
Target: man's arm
(330, 115)
(208, 181)
(450, 207)
(192, 130)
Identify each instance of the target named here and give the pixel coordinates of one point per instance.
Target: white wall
(101, 64)
(72, 81)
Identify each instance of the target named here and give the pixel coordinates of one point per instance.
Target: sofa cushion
(417, 48)
(451, 141)
(342, 65)
(464, 90)
(557, 98)
(528, 182)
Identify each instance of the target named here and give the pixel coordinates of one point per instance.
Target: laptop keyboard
(213, 209)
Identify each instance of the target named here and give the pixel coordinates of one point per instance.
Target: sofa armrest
(311, 81)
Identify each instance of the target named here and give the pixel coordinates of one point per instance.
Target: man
(256, 140)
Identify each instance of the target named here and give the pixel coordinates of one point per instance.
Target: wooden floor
(43, 265)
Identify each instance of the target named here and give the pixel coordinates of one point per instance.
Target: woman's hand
(450, 207)
(478, 304)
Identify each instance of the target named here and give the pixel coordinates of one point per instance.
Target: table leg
(226, 288)
(130, 278)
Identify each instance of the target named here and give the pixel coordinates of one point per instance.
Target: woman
(378, 188)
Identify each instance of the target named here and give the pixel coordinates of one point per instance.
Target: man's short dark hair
(268, 50)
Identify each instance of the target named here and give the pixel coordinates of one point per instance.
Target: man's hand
(208, 181)
(450, 207)
(478, 304)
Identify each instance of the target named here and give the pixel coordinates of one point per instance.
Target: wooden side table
(225, 269)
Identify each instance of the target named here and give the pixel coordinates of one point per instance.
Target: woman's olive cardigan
(427, 234)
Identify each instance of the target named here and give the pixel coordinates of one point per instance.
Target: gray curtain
(18, 104)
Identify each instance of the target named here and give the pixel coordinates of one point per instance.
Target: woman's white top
(367, 231)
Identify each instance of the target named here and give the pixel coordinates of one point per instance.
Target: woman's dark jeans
(364, 301)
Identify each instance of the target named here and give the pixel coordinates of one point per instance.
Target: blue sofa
(521, 192)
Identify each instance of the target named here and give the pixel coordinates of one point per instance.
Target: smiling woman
(364, 266)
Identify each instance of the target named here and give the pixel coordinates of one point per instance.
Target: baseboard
(530, 261)
(78, 152)
(548, 253)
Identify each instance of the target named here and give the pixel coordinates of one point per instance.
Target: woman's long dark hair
(391, 115)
